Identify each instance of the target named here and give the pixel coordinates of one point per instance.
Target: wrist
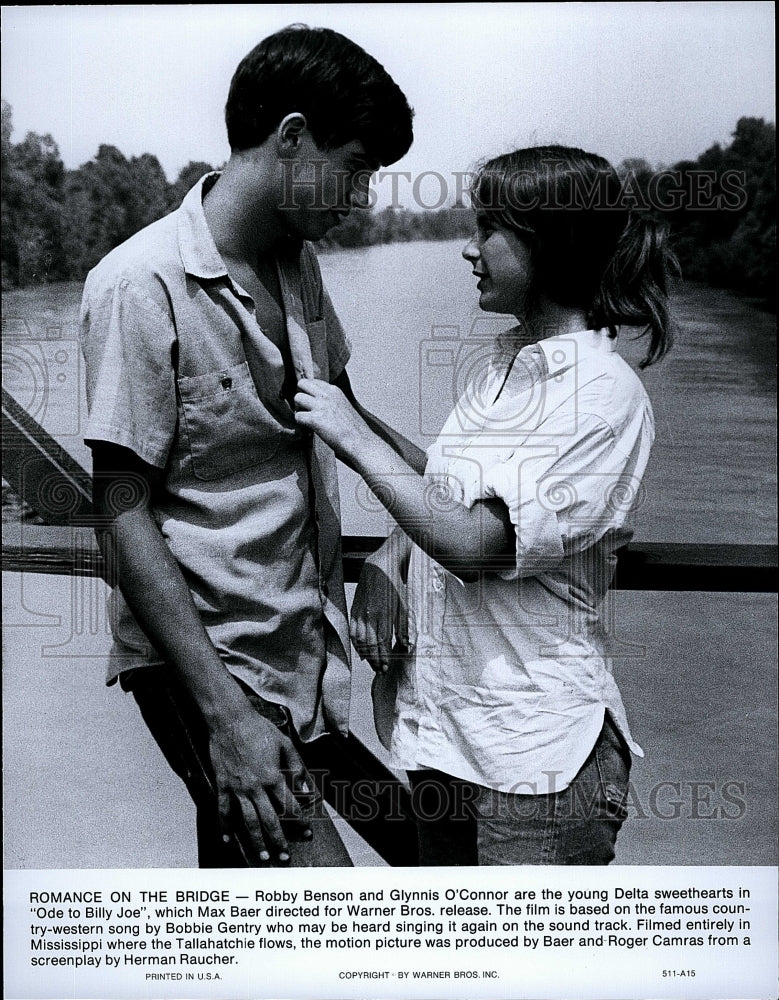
(217, 694)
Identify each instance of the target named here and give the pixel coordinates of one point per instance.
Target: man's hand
(379, 619)
(257, 768)
(258, 774)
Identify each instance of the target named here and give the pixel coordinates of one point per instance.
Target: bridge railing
(55, 486)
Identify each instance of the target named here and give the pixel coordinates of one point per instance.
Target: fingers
(264, 827)
(303, 403)
(377, 647)
(309, 389)
(225, 819)
(373, 620)
(251, 823)
(266, 812)
(296, 795)
(261, 806)
(371, 638)
(401, 625)
(306, 394)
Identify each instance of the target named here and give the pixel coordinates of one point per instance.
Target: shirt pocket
(228, 427)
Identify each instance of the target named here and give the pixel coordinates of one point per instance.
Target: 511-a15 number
(679, 973)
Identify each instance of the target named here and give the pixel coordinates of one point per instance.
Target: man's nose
(360, 196)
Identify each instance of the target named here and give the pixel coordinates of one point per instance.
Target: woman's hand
(379, 612)
(324, 409)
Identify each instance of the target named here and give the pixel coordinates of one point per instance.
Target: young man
(217, 514)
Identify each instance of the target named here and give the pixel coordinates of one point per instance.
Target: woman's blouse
(510, 675)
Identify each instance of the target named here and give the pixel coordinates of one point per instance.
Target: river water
(411, 313)
(712, 478)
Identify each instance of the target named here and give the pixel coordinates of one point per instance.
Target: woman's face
(501, 262)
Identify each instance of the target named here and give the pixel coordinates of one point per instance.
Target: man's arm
(248, 753)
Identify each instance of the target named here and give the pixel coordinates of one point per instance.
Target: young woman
(504, 711)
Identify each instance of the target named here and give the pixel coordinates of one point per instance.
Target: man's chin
(314, 229)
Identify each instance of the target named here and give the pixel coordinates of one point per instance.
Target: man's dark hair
(345, 94)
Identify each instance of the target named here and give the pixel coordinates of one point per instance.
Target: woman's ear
(290, 133)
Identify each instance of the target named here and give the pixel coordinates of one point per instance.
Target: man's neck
(240, 212)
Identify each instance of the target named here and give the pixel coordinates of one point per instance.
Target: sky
(658, 81)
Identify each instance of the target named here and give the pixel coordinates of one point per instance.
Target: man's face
(320, 187)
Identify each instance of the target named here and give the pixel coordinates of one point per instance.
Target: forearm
(412, 455)
(156, 592)
(462, 539)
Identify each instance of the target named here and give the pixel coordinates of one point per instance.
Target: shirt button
(226, 382)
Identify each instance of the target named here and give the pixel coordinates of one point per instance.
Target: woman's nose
(471, 251)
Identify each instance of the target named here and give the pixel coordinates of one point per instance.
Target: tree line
(58, 223)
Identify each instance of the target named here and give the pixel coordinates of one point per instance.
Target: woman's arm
(409, 452)
(461, 539)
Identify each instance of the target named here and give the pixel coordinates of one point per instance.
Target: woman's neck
(552, 320)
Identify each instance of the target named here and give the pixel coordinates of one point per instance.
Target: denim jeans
(461, 823)
(182, 735)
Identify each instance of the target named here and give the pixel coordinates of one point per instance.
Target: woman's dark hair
(345, 94)
(589, 250)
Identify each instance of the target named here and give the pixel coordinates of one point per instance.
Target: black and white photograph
(389, 491)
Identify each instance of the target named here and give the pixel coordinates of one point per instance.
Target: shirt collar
(199, 254)
(560, 353)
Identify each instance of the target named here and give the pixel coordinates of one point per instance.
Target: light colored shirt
(180, 372)
(510, 676)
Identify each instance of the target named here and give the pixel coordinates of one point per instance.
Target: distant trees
(399, 225)
(32, 186)
(107, 200)
(735, 247)
(721, 208)
(58, 223)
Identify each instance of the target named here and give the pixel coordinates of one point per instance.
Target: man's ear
(290, 133)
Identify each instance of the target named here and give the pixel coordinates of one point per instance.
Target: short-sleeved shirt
(510, 676)
(180, 372)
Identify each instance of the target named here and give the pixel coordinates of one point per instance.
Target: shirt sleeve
(127, 343)
(563, 491)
